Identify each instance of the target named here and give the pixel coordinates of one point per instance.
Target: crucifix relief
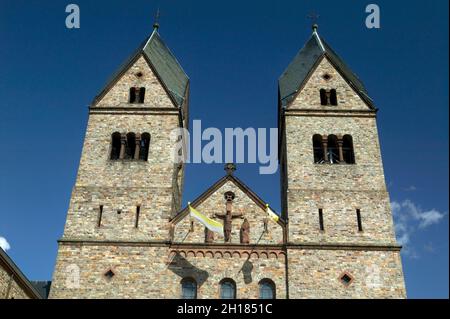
(228, 216)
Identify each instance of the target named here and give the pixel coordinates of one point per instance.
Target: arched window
(333, 149)
(333, 97)
(318, 149)
(144, 145)
(131, 146)
(266, 289)
(188, 288)
(227, 289)
(323, 97)
(347, 149)
(137, 95)
(132, 95)
(115, 146)
(141, 95)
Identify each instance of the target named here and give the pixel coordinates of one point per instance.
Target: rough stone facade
(371, 256)
(143, 271)
(13, 283)
(113, 249)
(10, 288)
(316, 272)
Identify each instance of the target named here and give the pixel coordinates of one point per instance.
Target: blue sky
(234, 53)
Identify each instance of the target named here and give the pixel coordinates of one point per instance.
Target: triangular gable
(304, 64)
(211, 190)
(163, 64)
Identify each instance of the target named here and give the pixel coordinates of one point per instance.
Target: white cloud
(425, 218)
(403, 239)
(4, 244)
(430, 217)
(409, 218)
(410, 188)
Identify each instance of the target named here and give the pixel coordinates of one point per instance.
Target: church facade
(128, 236)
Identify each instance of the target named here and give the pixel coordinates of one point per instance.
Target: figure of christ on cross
(228, 216)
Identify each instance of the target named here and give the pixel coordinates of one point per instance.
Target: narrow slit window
(323, 97)
(100, 215)
(144, 145)
(115, 146)
(333, 149)
(358, 217)
(131, 146)
(321, 225)
(347, 149)
(333, 97)
(141, 95)
(138, 212)
(132, 95)
(318, 149)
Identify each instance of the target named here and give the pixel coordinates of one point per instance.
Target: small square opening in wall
(346, 279)
(109, 274)
(326, 77)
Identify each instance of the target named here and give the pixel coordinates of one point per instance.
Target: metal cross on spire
(314, 17)
(156, 24)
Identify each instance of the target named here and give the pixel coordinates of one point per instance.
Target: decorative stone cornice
(131, 110)
(235, 247)
(329, 113)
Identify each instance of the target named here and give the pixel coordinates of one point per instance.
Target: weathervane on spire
(314, 17)
(156, 24)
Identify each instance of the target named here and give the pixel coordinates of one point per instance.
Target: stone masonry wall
(15, 292)
(120, 186)
(118, 95)
(366, 174)
(97, 169)
(339, 217)
(156, 272)
(338, 190)
(309, 98)
(123, 184)
(315, 274)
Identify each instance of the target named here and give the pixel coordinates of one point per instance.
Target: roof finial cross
(230, 168)
(314, 17)
(156, 24)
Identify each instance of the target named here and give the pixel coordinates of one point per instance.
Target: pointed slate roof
(163, 63)
(298, 71)
(42, 287)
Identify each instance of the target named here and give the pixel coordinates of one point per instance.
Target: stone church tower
(127, 235)
(340, 234)
(128, 186)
